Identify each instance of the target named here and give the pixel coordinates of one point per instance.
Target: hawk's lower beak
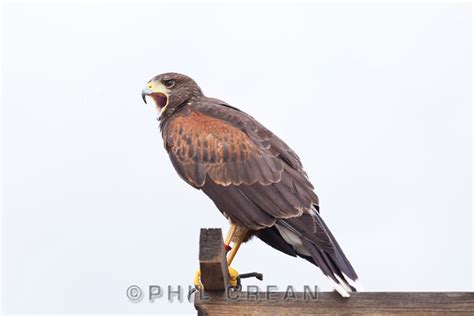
(145, 93)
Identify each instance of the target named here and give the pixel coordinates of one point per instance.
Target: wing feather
(223, 152)
(214, 147)
(254, 179)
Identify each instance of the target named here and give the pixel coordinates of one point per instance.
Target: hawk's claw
(197, 279)
(234, 279)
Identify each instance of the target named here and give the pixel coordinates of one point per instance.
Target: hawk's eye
(169, 83)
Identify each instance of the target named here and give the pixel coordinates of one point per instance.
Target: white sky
(376, 100)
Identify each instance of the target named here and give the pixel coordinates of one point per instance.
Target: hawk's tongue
(160, 99)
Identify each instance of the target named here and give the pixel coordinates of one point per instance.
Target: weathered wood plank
(330, 303)
(212, 260)
(216, 301)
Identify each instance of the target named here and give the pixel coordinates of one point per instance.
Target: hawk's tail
(320, 248)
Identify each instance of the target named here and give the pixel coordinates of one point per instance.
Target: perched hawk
(254, 178)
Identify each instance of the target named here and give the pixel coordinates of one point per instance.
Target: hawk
(253, 177)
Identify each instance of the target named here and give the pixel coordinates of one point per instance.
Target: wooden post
(215, 300)
(212, 260)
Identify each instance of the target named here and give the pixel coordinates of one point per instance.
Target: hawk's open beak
(158, 94)
(145, 92)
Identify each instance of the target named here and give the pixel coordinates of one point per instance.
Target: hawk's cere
(251, 175)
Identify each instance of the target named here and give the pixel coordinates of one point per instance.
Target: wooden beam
(212, 260)
(331, 303)
(215, 300)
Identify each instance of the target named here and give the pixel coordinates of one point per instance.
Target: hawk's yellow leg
(230, 234)
(237, 242)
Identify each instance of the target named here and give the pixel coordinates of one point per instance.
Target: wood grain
(331, 303)
(212, 260)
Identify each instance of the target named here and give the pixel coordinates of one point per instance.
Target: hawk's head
(169, 91)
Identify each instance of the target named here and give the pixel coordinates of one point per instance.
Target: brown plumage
(254, 178)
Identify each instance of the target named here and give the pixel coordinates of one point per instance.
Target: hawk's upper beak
(145, 92)
(157, 93)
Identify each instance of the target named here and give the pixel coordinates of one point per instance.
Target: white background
(376, 100)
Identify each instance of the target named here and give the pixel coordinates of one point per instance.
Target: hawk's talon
(234, 279)
(190, 293)
(197, 280)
